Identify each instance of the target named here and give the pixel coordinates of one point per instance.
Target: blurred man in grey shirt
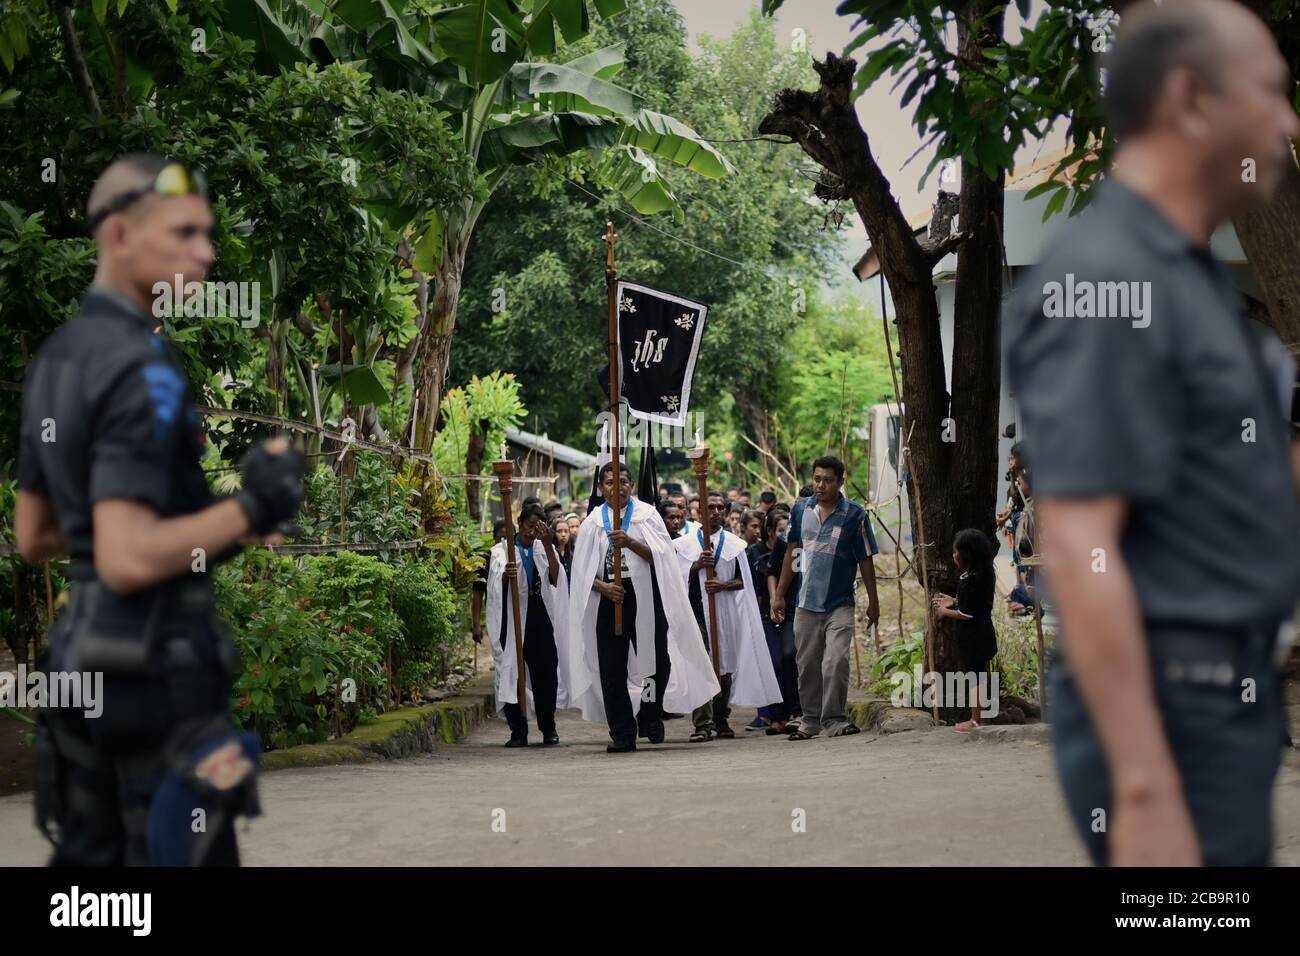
(1160, 447)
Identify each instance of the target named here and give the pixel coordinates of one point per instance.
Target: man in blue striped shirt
(831, 539)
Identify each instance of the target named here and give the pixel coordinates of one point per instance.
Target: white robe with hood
(742, 645)
(556, 600)
(691, 680)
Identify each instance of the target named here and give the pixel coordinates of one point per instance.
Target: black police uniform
(124, 426)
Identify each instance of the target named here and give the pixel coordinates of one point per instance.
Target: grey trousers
(822, 641)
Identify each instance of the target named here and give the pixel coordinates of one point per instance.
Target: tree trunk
(433, 357)
(77, 62)
(276, 372)
(474, 464)
(1270, 235)
(370, 426)
(970, 474)
(952, 484)
(754, 411)
(119, 75)
(826, 125)
(404, 374)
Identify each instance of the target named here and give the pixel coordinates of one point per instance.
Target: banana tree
(476, 59)
(533, 112)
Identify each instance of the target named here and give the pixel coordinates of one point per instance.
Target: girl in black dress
(972, 609)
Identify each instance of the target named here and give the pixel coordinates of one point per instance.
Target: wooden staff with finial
(611, 287)
(699, 456)
(505, 471)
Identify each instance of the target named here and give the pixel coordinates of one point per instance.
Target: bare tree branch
(76, 62)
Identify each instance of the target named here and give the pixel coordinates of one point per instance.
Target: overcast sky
(889, 128)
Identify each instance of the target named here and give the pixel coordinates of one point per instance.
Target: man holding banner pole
(538, 574)
(634, 648)
(658, 662)
(717, 568)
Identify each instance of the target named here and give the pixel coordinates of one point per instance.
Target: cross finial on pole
(610, 238)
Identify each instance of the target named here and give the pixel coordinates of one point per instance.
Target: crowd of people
(794, 669)
(758, 553)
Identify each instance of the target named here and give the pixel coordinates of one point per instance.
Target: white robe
(742, 645)
(691, 680)
(556, 601)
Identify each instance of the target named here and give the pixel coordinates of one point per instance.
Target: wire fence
(349, 442)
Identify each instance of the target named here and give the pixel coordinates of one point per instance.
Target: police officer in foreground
(109, 474)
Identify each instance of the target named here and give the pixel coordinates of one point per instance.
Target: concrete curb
(398, 733)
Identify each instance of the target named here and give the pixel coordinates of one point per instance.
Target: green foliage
(314, 173)
(1059, 62)
(824, 397)
(380, 507)
(18, 716)
(426, 605)
(974, 109)
(24, 609)
(303, 630)
(536, 304)
(40, 281)
(901, 657)
(981, 108)
(493, 399)
(296, 651)
(1016, 662)
(1017, 658)
(356, 589)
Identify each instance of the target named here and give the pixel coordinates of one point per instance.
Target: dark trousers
(612, 652)
(542, 662)
(106, 793)
(1227, 749)
(780, 646)
(96, 777)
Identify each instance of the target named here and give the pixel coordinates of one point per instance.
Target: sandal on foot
(848, 730)
(700, 737)
(966, 726)
(800, 735)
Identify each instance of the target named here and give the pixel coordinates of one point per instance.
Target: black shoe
(621, 748)
(655, 732)
(551, 739)
(517, 742)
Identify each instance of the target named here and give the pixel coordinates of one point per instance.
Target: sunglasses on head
(172, 180)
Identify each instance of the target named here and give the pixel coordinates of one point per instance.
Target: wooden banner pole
(699, 456)
(505, 471)
(611, 287)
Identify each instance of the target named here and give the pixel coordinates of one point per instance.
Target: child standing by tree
(972, 609)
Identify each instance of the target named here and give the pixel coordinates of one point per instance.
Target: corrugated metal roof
(550, 449)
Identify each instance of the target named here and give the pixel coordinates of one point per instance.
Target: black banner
(658, 341)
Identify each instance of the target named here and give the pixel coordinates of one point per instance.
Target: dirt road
(919, 798)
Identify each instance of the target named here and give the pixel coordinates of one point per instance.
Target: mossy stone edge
(399, 733)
